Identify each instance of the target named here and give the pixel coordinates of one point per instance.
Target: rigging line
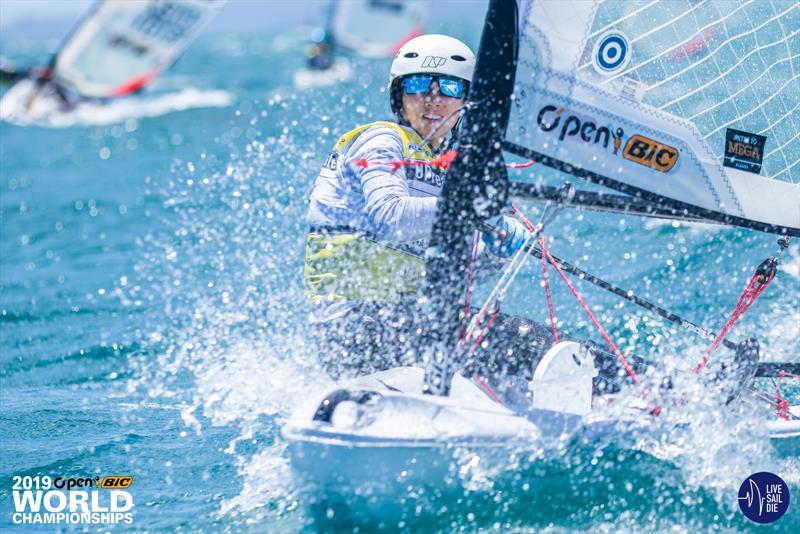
(769, 400)
(630, 296)
(762, 277)
(760, 105)
(499, 290)
(714, 53)
(546, 280)
(734, 95)
(476, 236)
(596, 322)
(714, 80)
(512, 269)
(681, 44)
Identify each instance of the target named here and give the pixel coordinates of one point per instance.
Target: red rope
(546, 254)
(546, 279)
(524, 165)
(486, 387)
(757, 284)
(781, 404)
(597, 324)
(470, 283)
(442, 162)
(485, 329)
(516, 211)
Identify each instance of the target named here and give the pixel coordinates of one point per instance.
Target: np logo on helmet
(434, 62)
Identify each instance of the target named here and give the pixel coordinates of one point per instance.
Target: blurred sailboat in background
(373, 29)
(117, 49)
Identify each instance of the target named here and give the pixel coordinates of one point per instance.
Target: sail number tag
(650, 153)
(743, 150)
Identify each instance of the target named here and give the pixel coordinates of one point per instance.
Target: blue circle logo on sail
(612, 52)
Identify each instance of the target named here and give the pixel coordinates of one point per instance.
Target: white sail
(121, 46)
(377, 28)
(693, 101)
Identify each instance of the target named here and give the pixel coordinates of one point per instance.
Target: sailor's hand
(508, 237)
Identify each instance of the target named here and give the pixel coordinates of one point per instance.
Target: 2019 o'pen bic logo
(72, 500)
(650, 153)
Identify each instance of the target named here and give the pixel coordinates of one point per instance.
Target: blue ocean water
(152, 316)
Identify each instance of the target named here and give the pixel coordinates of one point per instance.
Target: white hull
(377, 433)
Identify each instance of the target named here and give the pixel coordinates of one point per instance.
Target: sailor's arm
(390, 208)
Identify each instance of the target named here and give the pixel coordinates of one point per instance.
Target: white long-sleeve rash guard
(396, 205)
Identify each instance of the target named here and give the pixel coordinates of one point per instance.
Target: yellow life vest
(346, 264)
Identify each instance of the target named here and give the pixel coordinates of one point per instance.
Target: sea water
(152, 318)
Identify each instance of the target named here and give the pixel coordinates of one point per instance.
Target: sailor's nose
(433, 94)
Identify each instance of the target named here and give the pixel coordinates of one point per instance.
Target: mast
(476, 189)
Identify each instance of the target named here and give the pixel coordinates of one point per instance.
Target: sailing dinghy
(117, 49)
(371, 29)
(618, 95)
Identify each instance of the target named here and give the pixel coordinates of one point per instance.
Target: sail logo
(433, 62)
(116, 482)
(743, 150)
(650, 153)
(763, 497)
(575, 127)
(611, 52)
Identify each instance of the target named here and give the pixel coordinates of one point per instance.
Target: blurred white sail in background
(377, 28)
(121, 46)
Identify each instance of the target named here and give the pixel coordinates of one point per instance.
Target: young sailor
(371, 213)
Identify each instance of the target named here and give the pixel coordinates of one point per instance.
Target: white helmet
(433, 54)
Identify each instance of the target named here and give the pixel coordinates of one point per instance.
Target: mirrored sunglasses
(421, 84)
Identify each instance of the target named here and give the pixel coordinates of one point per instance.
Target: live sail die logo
(764, 497)
(72, 500)
(743, 150)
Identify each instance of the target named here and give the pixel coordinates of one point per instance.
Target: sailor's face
(432, 113)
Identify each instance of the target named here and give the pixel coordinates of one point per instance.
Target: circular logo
(612, 52)
(764, 497)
